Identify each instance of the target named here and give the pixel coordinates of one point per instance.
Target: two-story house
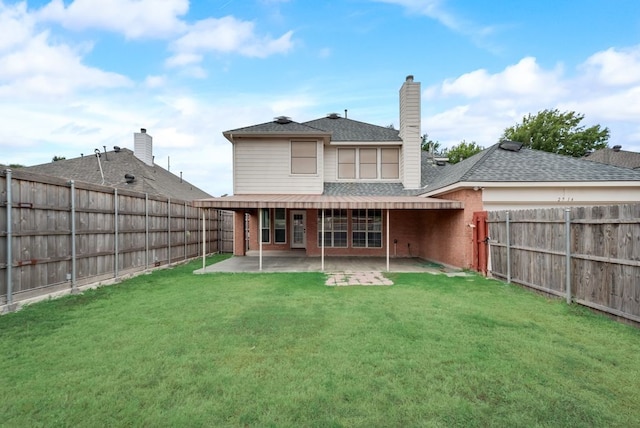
(336, 186)
(331, 186)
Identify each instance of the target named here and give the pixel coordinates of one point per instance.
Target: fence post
(508, 247)
(204, 242)
(567, 222)
(115, 211)
(146, 231)
(73, 236)
(169, 230)
(186, 235)
(9, 245)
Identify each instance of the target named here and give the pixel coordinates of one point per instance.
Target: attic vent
(512, 146)
(282, 120)
(116, 149)
(129, 178)
(333, 116)
(617, 148)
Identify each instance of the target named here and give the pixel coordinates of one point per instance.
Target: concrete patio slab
(331, 265)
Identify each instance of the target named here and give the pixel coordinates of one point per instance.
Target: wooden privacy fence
(588, 255)
(57, 235)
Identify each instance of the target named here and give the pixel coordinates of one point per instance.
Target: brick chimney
(410, 133)
(143, 146)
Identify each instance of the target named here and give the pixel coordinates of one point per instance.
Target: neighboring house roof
(343, 129)
(526, 165)
(615, 156)
(153, 180)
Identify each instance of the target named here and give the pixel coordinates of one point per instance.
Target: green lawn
(175, 349)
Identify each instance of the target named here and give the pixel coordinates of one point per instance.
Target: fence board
(41, 233)
(604, 248)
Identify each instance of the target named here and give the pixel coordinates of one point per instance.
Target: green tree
(462, 151)
(57, 158)
(556, 132)
(427, 143)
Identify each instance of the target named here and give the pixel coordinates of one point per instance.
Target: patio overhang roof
(243, 202)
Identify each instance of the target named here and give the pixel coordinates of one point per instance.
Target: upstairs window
(369, 163)
(389, 164)
(347, 163)
(304, 157)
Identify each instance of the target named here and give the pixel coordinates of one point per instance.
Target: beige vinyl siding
(525, 196)
(330, 164)
(264, 167)
(410, 133)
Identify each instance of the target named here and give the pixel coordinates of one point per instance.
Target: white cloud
(33, 65)
(226, 35)
(524, 78)
(16, 25)
(40, 68)
(155, 81)
(614, 67)
(133, 18)
(479, 105)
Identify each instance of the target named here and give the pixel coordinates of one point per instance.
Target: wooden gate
(480, 241)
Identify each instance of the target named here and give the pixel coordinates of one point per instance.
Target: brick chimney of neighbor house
(410, 133)
(143, 146)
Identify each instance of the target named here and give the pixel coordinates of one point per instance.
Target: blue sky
(79, 75)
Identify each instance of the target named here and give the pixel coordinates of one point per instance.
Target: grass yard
(176, 349)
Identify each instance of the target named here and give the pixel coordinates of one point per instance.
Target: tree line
(548, 130)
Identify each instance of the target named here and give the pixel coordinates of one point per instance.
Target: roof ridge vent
(617, 148)
(333, 116)
(512, 146)
(282, 120)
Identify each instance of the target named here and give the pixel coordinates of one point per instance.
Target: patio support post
(322, 242)
(567, 228)
(260, 236)
(388, 239)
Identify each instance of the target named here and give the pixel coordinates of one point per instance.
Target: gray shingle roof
(623, 158)
(342, 129)
(367, 189)
(153, 180)
(274, 127)
(497, 165)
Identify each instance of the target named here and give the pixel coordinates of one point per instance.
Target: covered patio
(314, 254)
